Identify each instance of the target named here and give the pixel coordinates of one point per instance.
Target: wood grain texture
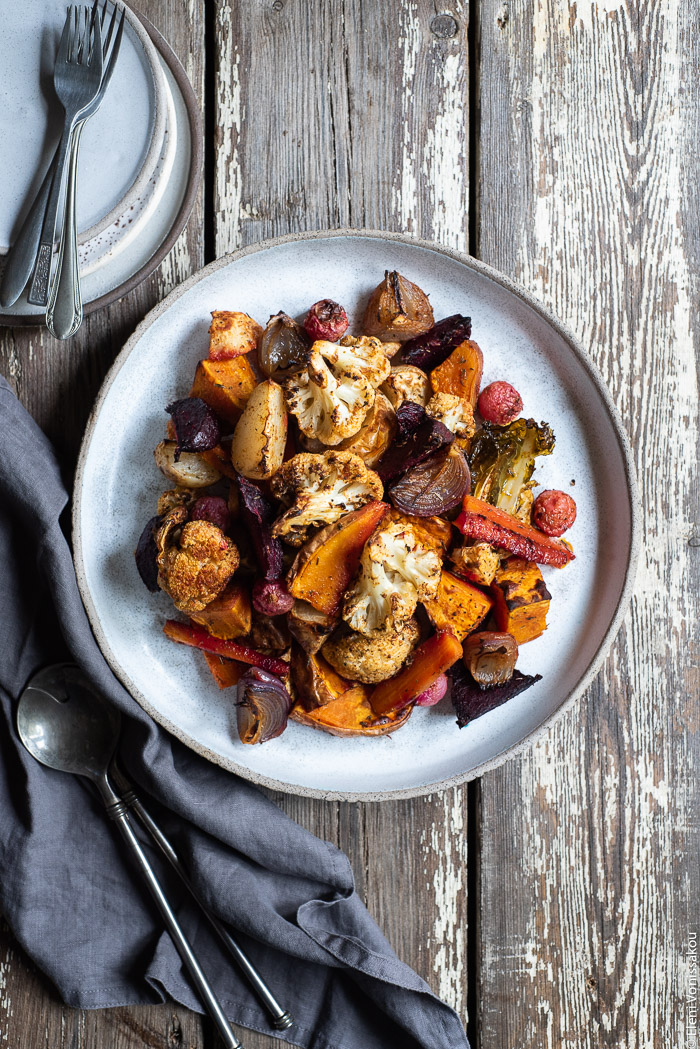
(589, 858)
(58, 383)
(352, 113)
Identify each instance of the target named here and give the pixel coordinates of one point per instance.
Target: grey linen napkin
(72, 897)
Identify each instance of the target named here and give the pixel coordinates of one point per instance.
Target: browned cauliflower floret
(194, 567)
(176, 497)
(455, 413)
(396, 571)
(332, 395)
(372, 350)
(479, 561)
(374, 657)
(407, 383)
(319, 489)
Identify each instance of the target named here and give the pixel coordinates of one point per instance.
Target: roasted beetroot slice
(428, 437)
(258, 515)
(146, 555)
(471, 701)
(409, 416)
(196, 427)
(433, 347)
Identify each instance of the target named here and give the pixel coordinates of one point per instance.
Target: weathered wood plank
(58, 383)
(349, 113)
(589, 855)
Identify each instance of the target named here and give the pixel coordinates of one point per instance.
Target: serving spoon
(67, 726)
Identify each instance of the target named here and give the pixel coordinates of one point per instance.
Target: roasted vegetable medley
(351, 529)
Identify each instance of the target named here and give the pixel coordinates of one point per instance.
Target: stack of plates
(140, 157)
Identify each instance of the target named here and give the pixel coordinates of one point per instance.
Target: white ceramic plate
(120, 145)
(118, 484)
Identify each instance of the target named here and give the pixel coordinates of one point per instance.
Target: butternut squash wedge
(521, 599)
(225, 386)
(458, 606)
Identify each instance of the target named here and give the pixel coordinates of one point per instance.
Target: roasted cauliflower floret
(407, 383)
(397, 571)
(455, 413)
(176, 497)
(319, 489)
(332, 395)
(478, 561)
(195, 565)
(374, 657)
(373, 352)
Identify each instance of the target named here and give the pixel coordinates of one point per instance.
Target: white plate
(120, 145)
(117, 487)
(116, 258)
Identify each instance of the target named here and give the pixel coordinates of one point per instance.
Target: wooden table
(552, 901)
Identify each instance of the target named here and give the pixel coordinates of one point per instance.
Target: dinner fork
(77, 78)
(64, 314)
(23, 253)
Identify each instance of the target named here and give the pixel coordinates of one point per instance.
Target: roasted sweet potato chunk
(521, 599)
(232, 334)
(460, 374)
(225, 386)
(458, 606)
(315, 681)
(351, 715)
(324, 567)
(228, 615)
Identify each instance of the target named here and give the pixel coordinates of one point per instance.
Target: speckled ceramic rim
(632, 557)
(197, 139)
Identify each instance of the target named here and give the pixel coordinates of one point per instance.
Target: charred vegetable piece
(325, 566)
(283, 347)
(430, 349)
(458, 606)
(460, 374)
(146, 554)
(417, 445)
(409, 416)
(196, 427)
(262, 706)
(430, 660)
(310, 627)
(271, 597)
(502, 461)
(480, 520)
(197, 637)
(490, 657)
(269, 635)
(521, 599)
(397, 310)
(499, 403)
(553, 512)
(225, 385)
(470, 701)
(375, 657)
(477, 562)
(258, 515)
(432, 487)
(186, 469)
(431, 530)
(351, 715)
(228, 615)
(315, 681)
(212, 508)
(226, 672)
(326, 320)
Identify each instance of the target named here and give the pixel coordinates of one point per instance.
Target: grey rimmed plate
(117, 487)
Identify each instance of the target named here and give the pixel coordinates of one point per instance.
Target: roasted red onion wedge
(196, 426)
(428, 350)
(425, 438)
(434, 486)
(262, 706)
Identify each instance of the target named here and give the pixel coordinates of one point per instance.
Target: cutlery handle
(22, 254)
(39, 288)
(117, 811)
(64, 313)
(281, 1019)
